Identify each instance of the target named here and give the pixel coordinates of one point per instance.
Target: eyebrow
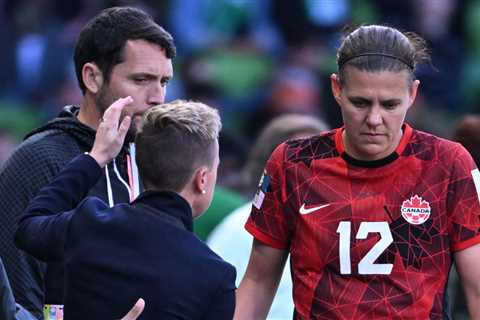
(369, 101)
(359, 99)
(150, 75)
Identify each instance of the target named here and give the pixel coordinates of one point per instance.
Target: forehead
(359, 82)
(142, 56)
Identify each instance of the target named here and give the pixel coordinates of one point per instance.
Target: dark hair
(174, 140)
(378, 48)
(103, 39)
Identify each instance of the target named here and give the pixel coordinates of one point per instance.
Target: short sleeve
(268, 222)
(463, 202)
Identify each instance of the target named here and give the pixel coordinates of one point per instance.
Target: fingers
(135, 312)
(111, 116)
(110, 134)
(124, 126)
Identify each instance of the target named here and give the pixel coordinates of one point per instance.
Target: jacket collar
(67, 121)
(170, 203)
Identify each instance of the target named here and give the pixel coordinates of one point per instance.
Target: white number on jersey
(366, 265)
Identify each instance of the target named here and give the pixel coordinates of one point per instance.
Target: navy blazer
(113, 256)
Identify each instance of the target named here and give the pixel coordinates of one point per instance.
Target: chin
(376, 155)
(373, 152)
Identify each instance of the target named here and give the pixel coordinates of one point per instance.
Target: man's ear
(92, 77)
(200, 180)
(336, 87)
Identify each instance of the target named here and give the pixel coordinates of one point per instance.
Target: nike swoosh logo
(304, 210)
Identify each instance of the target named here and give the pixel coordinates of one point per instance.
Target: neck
(189, 196)
(89, 114)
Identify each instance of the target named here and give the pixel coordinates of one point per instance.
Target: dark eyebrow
(360, 99)
(368, 101)
(142, 74)
(392, 101)
(150, 76)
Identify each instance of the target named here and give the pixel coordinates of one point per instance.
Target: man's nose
(156, 94)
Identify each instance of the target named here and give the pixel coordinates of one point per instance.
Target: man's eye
(165, 82)
(140, 80)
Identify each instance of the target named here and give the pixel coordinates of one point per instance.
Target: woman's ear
(413, 91)
(336, 87)
(200, 180)
(92, 77)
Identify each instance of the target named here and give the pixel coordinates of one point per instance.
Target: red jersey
(368, 239)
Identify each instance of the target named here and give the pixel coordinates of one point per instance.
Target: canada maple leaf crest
(416, 210)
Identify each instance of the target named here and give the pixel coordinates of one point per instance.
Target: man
(120, 52)
(113, 255)
(372, 213)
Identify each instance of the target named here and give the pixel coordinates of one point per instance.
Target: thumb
(136, 311)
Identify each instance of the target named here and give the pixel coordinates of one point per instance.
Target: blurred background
(253, 60)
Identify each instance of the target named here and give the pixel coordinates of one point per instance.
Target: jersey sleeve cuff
(266, 239)
(465, 244)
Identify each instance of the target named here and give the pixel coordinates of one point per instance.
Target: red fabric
(311, 173)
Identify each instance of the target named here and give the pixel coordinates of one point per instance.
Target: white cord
(121, 179)
(109, 188)
(133, 163)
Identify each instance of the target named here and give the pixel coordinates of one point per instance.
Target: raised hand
(110, 134)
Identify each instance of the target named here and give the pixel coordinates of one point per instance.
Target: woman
(371, 213)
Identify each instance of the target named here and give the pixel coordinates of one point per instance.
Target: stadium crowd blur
(251, 59)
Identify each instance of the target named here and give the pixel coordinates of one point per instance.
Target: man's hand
(110, 135)
(136, 311)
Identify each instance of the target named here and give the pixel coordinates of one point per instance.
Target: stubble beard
(103, 101)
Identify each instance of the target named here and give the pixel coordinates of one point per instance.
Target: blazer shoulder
(91, 211)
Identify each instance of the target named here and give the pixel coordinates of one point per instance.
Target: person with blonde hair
(115, 255)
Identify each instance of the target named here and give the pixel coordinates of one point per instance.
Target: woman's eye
(360, 104)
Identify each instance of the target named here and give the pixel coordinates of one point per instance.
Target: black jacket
(33, 164)
(114, 256)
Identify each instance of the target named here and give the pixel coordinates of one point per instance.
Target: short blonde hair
(173, 140)
(194, 117)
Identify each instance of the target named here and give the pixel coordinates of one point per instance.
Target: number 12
(366, 265)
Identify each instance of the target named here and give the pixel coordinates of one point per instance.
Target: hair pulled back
(376, 48)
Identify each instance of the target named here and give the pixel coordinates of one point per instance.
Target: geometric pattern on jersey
(358, 210)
